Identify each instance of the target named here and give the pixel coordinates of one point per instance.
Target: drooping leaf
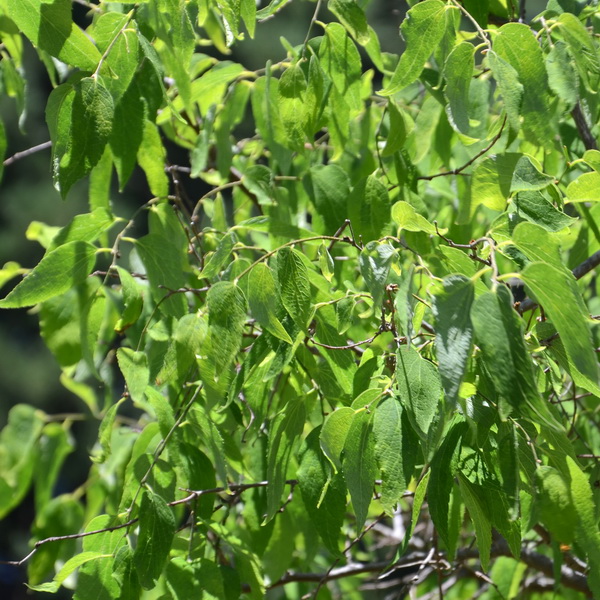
(517, 45)
(329, 188)
(443, 469)
(157, 527)
(351, 15)
(562, 78)
(475, 503)
(458, 71)
(499, 334)
(454, 331)
(375, 262)
(536, 208)
(527, 176)
(80, 124)
(295, 286)
(324, 495)
(226, 317)
(422, 30)
(369, 209)
(18, 444)
(395, 449)
(334, 432)
(359, 464)
(510, 87)
(492, 180)
(263, 301)
(419, 388)
(50, 27)
(556, 290)
(285, 431)
(59, 271)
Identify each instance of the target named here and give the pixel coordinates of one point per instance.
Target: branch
(468, 163)
(569, 577)
(194, 494)
(585, 133)
(28, 152)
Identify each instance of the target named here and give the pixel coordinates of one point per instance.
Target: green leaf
(516, 43)
(453, 331)
(557, 291)
(422, 30)
(499, 334)
(443, 470)
(67, 569)
(329, 187)
(152, 158)
(398, 130)
(585, 188)
(18, 452)
(55, 444)
(340, 59)
(405, 216)
(162, 257)
(562, 78)
(226, 317)
(375, 261)
(105, 433)
(492, 181)
(220, 256)
(80, 127)
(359, 464)
(528, 177)
(351, 15)
(87, 227)
(587, 532)
(157, 527)
(282, 441)
(295, 287)
(536, 208)
(292, 90)
(133, 300)
(59, 271)
(539, 245)
(369, 209)
(324, 496)
(134, 366)
(419, 388)
(555, 505)
(51, 28)
(333, 434)
(396, 451)
(458, 72)
(476, 503)
(510, 88)
(263, 299)
(582, 49)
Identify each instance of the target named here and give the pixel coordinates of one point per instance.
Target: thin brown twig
(24, 153)
(459, 170)
(193, 495)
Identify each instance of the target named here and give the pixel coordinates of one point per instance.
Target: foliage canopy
(326, 375)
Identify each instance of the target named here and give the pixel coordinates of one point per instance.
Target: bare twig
(236, 488)
(585, 133)
(24, 153)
